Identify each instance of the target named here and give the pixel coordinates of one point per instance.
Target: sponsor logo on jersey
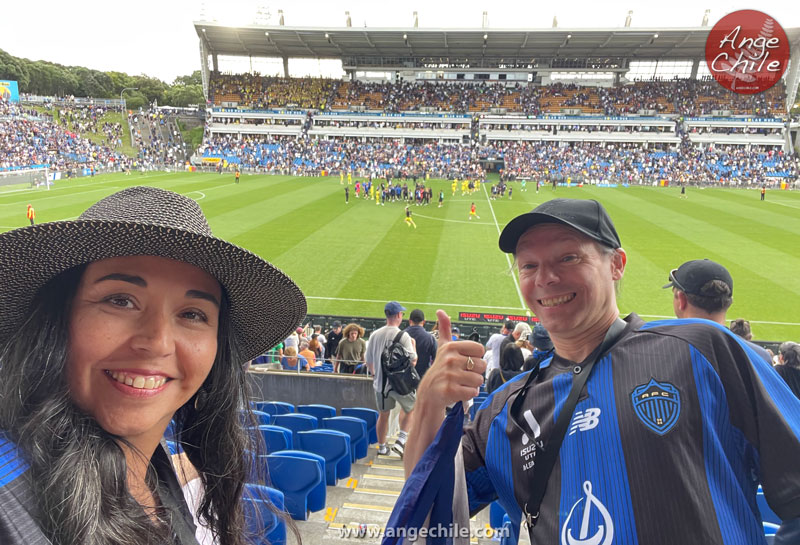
(528, 451)
(601, 533)
(657, 404)
(585, 420)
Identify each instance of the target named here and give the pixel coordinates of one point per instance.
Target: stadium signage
(747, 52)
(493, 318)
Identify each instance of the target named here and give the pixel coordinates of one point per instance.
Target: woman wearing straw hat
(111, 326)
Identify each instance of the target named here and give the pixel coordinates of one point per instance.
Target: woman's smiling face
(142, 340)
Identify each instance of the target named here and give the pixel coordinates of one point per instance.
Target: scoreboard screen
(494, 317)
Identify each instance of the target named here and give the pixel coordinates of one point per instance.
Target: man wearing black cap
(701, 289)
(704, 289)
(424, 341)
(641, 433)
(334, 337)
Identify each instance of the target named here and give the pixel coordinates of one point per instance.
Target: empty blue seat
(295, 478)
(296, 422)
(317, 411)
(301, 478)
(332, 445)
(276, 438)
(496, 514)
(370, 416)
(275, 407)
(261, 418)
(355, 428)
(264, 525)
(507, 534)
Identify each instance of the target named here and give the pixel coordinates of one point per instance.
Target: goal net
(30, 178)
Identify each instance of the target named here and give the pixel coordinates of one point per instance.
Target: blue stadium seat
(296, 422)
(355, 428)
(317, 411)
(496, 515)
(296, 478)
(276, 438)
(261, 417)
(301, 477)
(332, 445)
(266, 527)
(275, 407)
(370, 416)
(508, 537)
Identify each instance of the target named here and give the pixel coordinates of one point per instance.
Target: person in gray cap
(385, 397)
(632, 432)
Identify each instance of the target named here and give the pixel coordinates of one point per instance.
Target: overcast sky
(157, 38)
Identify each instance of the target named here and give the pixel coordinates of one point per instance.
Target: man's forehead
(545, 233)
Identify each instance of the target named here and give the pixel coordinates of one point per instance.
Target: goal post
(28, 178)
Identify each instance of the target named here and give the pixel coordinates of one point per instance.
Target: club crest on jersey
(657, 404)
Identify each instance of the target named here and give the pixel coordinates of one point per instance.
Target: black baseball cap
(693, 275)
(586, 216)
(416, 316)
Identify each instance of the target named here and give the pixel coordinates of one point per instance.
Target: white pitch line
(203, 195)
(38, 200)
(382, 302)
(452, 221)
(784, 204)
(508, 259)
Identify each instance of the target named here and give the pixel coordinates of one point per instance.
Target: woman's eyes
(127, 302)
(195, 315)
(120, 301)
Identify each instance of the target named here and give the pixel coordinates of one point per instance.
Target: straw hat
(265, 305)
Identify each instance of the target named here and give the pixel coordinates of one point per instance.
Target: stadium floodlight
(121, 100)
(416, 20)
(628, 18)
(705, 18)
(348, 20)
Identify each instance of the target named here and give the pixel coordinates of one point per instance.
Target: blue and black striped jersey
(677, 426)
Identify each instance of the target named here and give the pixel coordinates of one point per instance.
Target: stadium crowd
(158, 141)
(688, 97)
(29, 138)
(579, 162)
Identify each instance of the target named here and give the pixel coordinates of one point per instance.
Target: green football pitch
(349, 259)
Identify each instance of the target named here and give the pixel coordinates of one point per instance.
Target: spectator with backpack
(393, 350)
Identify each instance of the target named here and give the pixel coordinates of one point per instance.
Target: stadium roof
(476, 47)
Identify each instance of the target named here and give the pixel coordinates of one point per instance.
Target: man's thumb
(445, 330)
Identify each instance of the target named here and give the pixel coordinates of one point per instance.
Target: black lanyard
(547, 459)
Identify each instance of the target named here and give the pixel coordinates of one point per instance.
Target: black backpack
(397, 368)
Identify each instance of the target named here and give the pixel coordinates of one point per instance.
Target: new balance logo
(585, 420)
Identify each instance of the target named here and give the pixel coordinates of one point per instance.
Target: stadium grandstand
(631, 105)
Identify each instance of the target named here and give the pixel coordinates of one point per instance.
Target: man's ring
(470, 363)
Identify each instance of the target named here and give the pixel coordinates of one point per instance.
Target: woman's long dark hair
(78, 470)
